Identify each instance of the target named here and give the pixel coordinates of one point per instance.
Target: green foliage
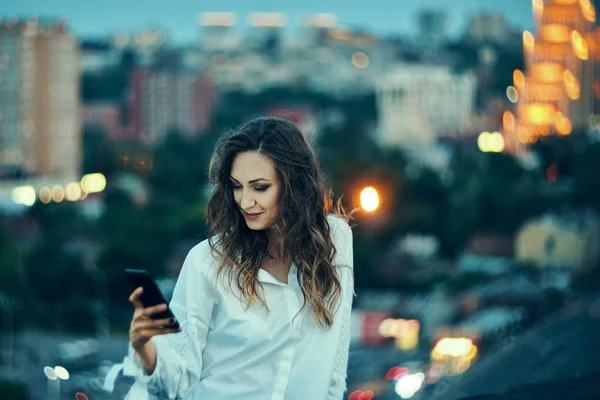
(13, 390)
(10, 258)
(47, 266)
(108, 85)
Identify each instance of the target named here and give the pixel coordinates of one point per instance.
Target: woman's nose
(247, 201)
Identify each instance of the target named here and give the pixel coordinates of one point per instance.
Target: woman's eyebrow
(251, 181)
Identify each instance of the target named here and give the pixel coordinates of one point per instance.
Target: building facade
(103, 115)
(40, 129)
(419, 103)
(162, 101)
(560, 241)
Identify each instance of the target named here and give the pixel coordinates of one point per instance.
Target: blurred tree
(168, 60)
(109, 85)
(9, 264)
(561, 152)
(465, 54)
(586, 183)
(13, 390)
(129, 60)
(489, 192)
(507, 60)
(99, 152)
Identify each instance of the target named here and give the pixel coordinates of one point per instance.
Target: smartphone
(151, 296)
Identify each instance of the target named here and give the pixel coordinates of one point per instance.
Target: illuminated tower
(555, 95)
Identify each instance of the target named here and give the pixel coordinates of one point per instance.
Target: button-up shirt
(226, 352)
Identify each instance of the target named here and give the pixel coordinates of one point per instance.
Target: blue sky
(178, 16)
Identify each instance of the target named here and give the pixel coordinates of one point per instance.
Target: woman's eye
(235, 187)
(260, 188)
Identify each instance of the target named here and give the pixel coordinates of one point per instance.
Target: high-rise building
(161, 101)
(218, 31)
(40, 130)
(555, 94)
(103, 115)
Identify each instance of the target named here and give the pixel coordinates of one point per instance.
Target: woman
(264, 304)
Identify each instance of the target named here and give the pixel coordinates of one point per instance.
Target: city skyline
(377, 16)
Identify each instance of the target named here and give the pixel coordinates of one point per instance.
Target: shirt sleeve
(179, 355)
(342, 236)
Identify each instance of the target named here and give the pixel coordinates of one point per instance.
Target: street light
(55, 374)
(61, 373)
(51, 375)
(490, 142)
(369, 199)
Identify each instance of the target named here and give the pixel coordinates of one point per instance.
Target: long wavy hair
(304, 204)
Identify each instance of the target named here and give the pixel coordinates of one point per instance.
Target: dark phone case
(151, 296)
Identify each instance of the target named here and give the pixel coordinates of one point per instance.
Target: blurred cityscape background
(465, 133)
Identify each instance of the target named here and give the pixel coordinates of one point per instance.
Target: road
(562, 347)
(34, 351)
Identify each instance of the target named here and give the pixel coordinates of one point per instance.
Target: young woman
(264, 303)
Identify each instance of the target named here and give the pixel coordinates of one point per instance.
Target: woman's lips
(252, 216)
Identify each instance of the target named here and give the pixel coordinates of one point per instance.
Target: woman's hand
(143, 328)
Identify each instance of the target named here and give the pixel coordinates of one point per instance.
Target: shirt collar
(266, 277)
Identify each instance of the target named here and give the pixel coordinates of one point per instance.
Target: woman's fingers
(151, 324)
(148, 312)
(150, 332)
(135, 298)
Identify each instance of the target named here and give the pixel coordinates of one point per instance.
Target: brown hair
(304, 206)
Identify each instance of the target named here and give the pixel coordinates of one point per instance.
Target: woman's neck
(275, 244)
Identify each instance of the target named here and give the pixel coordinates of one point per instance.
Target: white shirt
(226, 353)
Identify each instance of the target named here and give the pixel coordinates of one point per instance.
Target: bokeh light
(61, 373)
(512, 94)
(58, 193)
(360, 60)
(369, 199)
(24, 195)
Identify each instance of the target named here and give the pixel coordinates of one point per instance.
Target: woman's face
(256, 189)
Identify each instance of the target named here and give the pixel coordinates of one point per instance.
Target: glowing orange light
(369, 199)
(547, 72)
(518, 79)
(508, 121)
(544, 92)
(540, 113)
(551, 51)
(572, 85)
(555, 33)
(563, 125)
(528, 39)
(588, 10)
(523, 134)
(580, 45)
(538, 7)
